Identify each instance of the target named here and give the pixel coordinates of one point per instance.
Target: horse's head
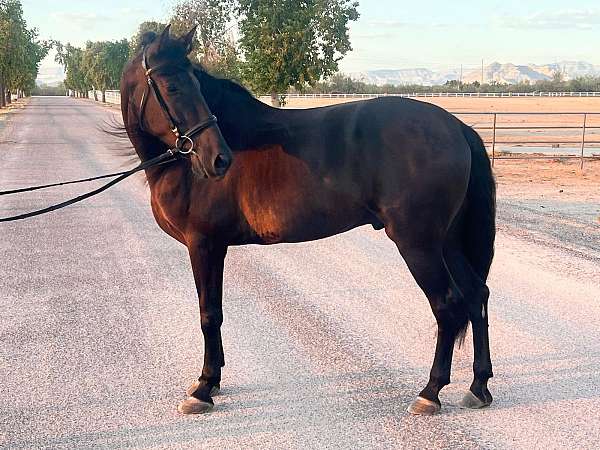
(162, 87)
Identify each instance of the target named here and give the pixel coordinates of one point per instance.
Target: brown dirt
(17, 104)
(552, 179)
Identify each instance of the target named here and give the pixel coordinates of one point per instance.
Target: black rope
(164, 158)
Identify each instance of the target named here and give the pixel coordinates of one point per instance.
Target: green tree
(20, 52)
(290, 43)
(216, 49)
(71, 58)
(103, 62)
(135, 41)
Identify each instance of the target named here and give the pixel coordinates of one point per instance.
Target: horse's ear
(188, 39)
(147, 38)
(164, 37)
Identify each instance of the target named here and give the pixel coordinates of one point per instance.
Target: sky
(390, 34)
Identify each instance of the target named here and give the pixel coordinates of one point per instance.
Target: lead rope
(163, 158)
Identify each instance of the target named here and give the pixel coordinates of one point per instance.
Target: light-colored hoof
(423, 407)
(213, 392)
(472, 402)
(192, 405)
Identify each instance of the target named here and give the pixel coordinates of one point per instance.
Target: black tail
(479, 231)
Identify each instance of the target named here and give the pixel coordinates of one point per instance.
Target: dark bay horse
(264, 176)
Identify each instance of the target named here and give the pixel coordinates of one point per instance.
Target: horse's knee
(211, 320)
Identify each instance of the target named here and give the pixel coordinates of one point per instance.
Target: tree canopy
(20, 51)
(98, 66)
(290, 43)
(214, 44)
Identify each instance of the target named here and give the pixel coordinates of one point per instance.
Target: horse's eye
(172, 89)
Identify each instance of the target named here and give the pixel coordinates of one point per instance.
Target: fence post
(583, 138)
(494, 141)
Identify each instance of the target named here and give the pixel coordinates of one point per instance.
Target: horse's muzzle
(221, 164)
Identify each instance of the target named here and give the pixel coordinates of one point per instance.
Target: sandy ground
(326, 342)
(549, 179)
(15, 105)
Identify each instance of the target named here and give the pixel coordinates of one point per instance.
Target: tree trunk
(2, 92)
(95, 95)
(103, 96)
(275, 100)
(8, 97)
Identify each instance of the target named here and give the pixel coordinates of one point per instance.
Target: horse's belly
(298, 224)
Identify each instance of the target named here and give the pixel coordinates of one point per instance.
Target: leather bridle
(181, 138)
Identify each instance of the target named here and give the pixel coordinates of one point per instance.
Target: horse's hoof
(192, 405)
(423, 407)
(215, 390)
(471, 401)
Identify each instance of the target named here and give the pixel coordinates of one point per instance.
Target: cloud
(578, 19)
(81, 19)
(396, 24)
(374, 35)
(381, 23)
(134, 11)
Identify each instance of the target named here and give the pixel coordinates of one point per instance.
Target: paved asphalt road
(326, 342)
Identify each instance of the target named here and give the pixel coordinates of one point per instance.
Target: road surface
(326, 343)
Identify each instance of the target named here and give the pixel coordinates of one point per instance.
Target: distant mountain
(50, 76)
(501, 73)
(405, 76)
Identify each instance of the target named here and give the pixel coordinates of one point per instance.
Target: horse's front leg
(207, 257)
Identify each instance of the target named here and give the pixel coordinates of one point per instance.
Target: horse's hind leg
(424, 257)
(476, 296)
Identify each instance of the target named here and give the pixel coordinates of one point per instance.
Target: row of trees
(96, 67)
(342, 84)
(20, 52)
(283, 43)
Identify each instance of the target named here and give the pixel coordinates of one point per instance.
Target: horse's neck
(247, 122)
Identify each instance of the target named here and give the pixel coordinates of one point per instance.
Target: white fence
(113, 97)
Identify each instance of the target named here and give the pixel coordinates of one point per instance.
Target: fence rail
(573, 121)
(585, 127)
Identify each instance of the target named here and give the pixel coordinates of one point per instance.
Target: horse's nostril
(221, 163)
